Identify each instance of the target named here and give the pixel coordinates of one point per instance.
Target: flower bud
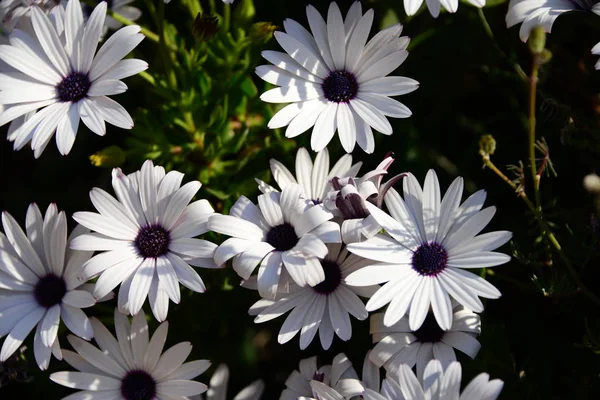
(487, 145)
(109, 157)
(262, 32)
(205, 27)
(537, 40)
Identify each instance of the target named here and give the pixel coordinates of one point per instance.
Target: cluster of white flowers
(323, 243)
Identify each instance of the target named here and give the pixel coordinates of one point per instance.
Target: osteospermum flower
(335, 80)
(431, 243)
(283, 231)
(39, 284)
(217, 389)
(17, 13)
(300, 383)
(146, 239)
(439, 384)
(348, 201)
(66, 81)
(398, 344)
(131, 366)
(325, 307)
(532, 13)
(312, 178)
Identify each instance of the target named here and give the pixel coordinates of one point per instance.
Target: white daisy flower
(66, 82)
(283, 231)
(349, 197)
(430, 244)
(398, 344)
(39, 284)
(412, 6)
(312, 178)
(17, 13)
(335, 80)
(146, 239)
(300, 383)
(439, 384)
(217, 389)
(131, 366)
(532, 13)
(325, 307)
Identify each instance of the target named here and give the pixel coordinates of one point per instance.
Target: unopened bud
(537, 40)
(262, 32)
(591, 183)
(487, 145)
(205, 27)
(110, 157)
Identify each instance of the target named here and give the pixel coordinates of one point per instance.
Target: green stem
(148, 33)
(226, 17)
(533, 79)
(490, 33)
(147, 77)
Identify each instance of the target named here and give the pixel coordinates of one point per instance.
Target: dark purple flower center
(429, 259)
(283, 237)
(138, 385)
(333, 278)
(430, 331)
(73, 88)
(340, 87)
(319, 376)
(152, 241)
(50, 290)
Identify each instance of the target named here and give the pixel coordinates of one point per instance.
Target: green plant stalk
(533, 79)
(490, 33)
(145, 31)
(544, 228)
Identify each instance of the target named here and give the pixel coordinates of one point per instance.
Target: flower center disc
(50, 290)
(429, 332)
(152, 241)
(138, 385)
(73, 88)
(340, 87)
(333, 278)
(430, 259)
(282, 237)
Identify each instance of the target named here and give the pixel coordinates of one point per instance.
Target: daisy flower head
(282, 231)
(440, 384)
(335, 80)
(301, 382)
(532, 13)
(146, 239)
(412, 6)
(39, 284)
(17, 13)
(325, 307)
(348, 201)
(398, 344)
(217, 389)
(131, 366)
(62, 78)
(429, 245)
(312, 178)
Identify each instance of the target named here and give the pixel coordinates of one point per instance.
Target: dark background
(539, 344)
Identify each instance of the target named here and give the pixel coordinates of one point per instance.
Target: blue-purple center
(138, 385)
(283, 237)
(430, 259)
(340, 87)
(333, 278)
(430, 331)
(50, 290)
(73, 88)
(152, 241)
